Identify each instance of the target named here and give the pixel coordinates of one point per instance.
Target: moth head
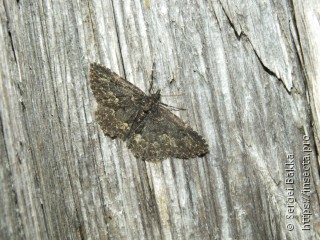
(156, 96)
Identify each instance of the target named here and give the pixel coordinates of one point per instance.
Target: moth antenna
(173, 108)
(152, 77)
(173, 95)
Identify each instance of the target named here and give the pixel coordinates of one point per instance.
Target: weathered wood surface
(246, 71)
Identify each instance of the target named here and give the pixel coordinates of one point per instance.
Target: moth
(151, 131)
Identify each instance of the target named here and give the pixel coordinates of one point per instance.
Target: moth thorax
(150, 101)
